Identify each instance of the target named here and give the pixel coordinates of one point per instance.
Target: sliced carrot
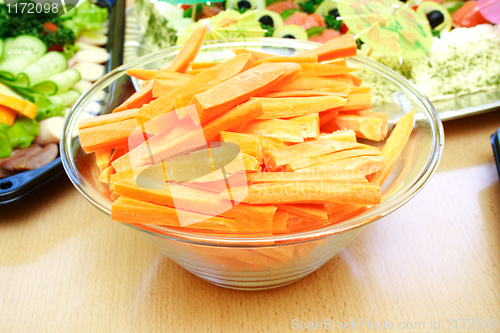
(167, 74)
(339, 62)
(255, 54)
(106, 174)
(103, 158)
(7, 115)
(269, 143)
(342, 155)
(166, 143)
(110, 135)
(128, 210)
(394, 146)
(239, 88)
(285, 130)
(373, 114)
(163, 86)
(365, 164)
(306, 211)
(340, 47)
(309, 124)
(311, 69)
(340, 135)
(273, 108)
(279, 221)
(356, 80)
(205, 80)
(142, 74)
(325, 118)
(138, 99)
(356, 102)
(107, 118)
(341, 177)
(364, 127)
(341, 82)
(195, 71)
(22, 107)
(359, 90)
(304, 154)
(296, 59)
(309, 192)
(188, 51)
(203, 65)
(302, 93)
(248, 144)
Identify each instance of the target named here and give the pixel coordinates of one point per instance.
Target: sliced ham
(38, 159)
(8, 163)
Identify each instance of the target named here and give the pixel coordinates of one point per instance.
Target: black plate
(495, 143)
(15, 188)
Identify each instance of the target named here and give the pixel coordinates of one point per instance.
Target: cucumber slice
(291, 31)
(429, 9)
(48, 65)
(19, 54)
(65, 99)
(58, 83)
(7, 91)
(1, 48)
(326, 7)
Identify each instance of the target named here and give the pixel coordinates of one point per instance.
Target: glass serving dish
(253, 263)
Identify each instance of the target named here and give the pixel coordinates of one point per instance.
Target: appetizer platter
(461, 36)
(44, 69)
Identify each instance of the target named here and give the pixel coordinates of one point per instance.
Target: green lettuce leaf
(22, 133)
(88, 16)
(46, 108)
(5, 148)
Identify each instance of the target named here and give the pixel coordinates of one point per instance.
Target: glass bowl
(260, 262)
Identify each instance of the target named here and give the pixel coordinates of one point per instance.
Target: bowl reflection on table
(260, 262)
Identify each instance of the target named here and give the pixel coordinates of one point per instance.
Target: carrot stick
(301, 93)
(307, 211)
(273, 108)
(188, 51)
(127, 210)
(248, 144)
(365, 164)
(195, 71)
(285, 130)
(279, 221)
(199, 83)
(340, 47)
(110, 135)
(142, 74)
(309, 125)
(303, 154)
(239, 88)
(203, 65)
(341, 82)
(356, 102)
(308, 192)
(394, 146)
(166, 74)
(372, 114)
(298, 59)
(364, 127)
(138, 99)
(340, 177)
(105, 174)
(311, 69)
(103, 158)
(163, 86)
(255, 54)
(340, 135)
(107, 118)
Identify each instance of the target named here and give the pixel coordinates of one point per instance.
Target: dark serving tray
(18, 186)
(495, 143)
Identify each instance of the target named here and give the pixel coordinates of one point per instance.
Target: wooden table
(65, 267)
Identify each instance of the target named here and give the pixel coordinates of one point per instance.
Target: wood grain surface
(66, 267)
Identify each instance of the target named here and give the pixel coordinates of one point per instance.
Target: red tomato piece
(468, 15)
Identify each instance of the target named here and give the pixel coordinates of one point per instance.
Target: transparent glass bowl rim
(385, 208)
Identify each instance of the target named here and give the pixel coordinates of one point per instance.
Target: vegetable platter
(44, 68)
(461, 36)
